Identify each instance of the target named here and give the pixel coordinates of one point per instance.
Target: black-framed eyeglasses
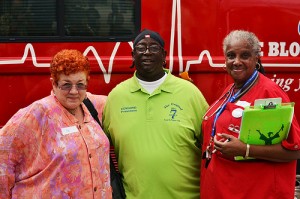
(151, 48)
(68, 86)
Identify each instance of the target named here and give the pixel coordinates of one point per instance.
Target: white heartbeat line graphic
(176, 12)
(199, 60)
(30, 48)
(107, 74)
(210, 61)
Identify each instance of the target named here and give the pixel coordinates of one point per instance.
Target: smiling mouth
(147, 62)
(73, 98)
(237, 69)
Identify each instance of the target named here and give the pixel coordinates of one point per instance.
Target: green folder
(266, 124)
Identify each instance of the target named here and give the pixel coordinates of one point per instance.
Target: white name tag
(243, 103)
(68, 130)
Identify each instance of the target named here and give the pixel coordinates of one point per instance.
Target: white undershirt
(151, 86)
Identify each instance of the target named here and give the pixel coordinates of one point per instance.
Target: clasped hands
(229, 145)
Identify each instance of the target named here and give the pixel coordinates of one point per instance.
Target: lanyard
(225, 96)
(232, 98)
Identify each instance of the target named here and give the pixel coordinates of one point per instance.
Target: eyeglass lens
(68, 87)
(143, 48)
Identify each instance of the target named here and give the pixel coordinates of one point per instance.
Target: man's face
(148, 56)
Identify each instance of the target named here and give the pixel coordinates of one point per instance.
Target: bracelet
(247, 151)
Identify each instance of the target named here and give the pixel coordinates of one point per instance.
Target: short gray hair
(250, 37)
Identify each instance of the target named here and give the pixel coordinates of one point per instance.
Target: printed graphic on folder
(267, 122)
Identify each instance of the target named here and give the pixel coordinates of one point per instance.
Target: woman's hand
(229, 145)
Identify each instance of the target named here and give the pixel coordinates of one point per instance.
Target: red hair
(67, 62)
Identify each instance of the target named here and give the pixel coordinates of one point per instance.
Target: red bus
(32, 31)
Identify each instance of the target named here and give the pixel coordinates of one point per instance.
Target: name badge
(68, 130)
(243, 103)
(237, 113)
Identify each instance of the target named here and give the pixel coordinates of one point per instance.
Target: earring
(257, 65)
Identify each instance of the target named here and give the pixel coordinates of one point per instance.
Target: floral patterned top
(46, 153)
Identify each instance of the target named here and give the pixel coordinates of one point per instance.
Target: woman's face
(240, 61)
(70, 90)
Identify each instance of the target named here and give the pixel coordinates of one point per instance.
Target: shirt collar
(165, 86)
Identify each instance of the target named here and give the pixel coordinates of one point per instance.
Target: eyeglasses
(68, 86)
(143, 48)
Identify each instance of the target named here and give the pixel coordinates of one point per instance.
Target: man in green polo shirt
(154, 122)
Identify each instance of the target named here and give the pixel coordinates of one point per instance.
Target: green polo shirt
(156, 137)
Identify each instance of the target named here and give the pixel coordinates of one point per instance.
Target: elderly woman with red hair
(54, 148)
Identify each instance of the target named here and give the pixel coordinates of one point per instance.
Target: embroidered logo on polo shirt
(173, 112)
(128, 109)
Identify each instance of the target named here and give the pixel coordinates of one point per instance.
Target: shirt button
(296, 146)
(95, 189)
(90, 155)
